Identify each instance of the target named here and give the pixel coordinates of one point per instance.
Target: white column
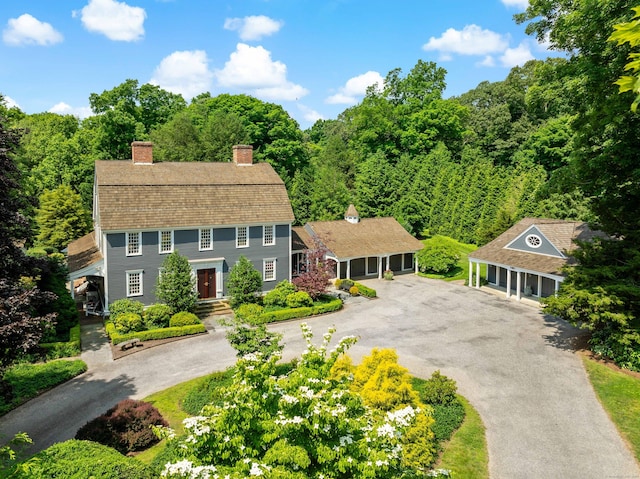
(508, 283)
(337, 269)
(539, 286)
(478, 275)
(379, 267)
(556, 286)
(415, 263)
(349, 268)
(519, 286)
(470, 274)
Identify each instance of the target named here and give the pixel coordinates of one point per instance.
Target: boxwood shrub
(157, 316)
(183, 318)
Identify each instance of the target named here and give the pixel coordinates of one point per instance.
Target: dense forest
(466, 167)
(553, 139)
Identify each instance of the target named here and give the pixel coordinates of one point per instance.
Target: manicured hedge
(64, 349)
(365, 290)
(82, 459)
(293, 313)
(151, 334)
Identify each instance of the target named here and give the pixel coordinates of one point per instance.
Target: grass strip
(619, 394)
(466, 454)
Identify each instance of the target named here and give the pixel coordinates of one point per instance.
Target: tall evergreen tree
(176, 284)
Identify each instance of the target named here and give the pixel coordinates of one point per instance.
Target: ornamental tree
(316, 272)
(305, 424)
(176, 285)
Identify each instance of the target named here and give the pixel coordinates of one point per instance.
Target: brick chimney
(243, 155)
(142, 152)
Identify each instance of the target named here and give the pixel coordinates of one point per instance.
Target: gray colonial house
(212, 213)
(360, 247)
(528, 258)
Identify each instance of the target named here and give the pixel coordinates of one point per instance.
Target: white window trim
(210, 247)
(238, 245)
(131, 273)
(160, 242)
(139, 252)
(264, 269)
(273, 235)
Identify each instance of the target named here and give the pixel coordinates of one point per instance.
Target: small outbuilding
(528, 258)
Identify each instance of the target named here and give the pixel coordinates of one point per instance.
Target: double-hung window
(165, 240)
(268, 236)
(269, 269)
(134, 244)
(134, 283)
(206, 239)
(242, 237)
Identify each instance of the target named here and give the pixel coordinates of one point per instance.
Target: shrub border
(294, 313)
(161, 333)
(365, 290)
(64, 349)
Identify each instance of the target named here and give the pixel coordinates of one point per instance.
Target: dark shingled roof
(369, 237)
(175, 195)
(83, 252)
(300, 239)
(559, 232)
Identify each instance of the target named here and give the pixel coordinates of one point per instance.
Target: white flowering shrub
(305, 424)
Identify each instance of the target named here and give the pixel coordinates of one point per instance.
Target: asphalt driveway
(515, 366)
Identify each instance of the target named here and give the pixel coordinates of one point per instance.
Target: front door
(207, 283)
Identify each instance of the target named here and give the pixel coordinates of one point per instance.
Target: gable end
(532, 240)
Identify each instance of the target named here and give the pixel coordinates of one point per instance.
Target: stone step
(217, 307)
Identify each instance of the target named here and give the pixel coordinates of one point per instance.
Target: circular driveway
(515, 365)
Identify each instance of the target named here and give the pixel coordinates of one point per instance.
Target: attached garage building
(361, 247)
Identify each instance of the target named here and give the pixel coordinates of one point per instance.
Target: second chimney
(142, 152)
(243, 155)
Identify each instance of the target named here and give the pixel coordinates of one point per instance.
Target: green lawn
(466, 454)
(460, 272)
(619, 394)
(28, 380)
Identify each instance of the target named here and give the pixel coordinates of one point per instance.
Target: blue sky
(313, 57)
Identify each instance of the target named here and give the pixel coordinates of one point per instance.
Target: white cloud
(521, 4)
(186, 73)
(516, 56)
(10, 102)
(253, 27)
(28, 30)
(252, 69)
(64, 109)
(116, 20)
(488, 61)
(356, 88)
(471, 40)
(309, 114)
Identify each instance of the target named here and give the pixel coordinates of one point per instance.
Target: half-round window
(533, 241)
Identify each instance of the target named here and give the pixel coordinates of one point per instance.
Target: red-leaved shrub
(125, 427)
